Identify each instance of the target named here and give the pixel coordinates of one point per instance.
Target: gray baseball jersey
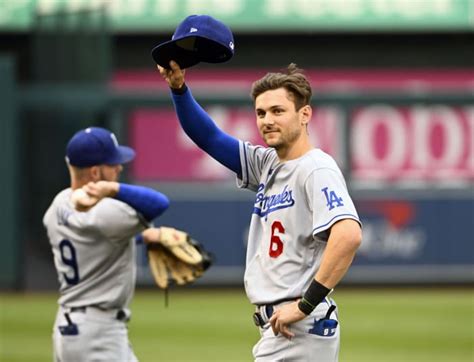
(297, 202)
(94, 251)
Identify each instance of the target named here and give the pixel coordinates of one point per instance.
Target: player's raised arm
(146, 201)
(197, 124)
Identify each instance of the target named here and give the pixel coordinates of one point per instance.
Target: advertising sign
(407, 146)
(422, 232)
(412, 144)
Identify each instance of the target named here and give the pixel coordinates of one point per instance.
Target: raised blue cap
(198, 38)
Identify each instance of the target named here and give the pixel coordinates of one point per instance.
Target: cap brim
(165, 52)
(202, 50)
(125, 154)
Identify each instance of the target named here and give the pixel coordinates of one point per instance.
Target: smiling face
(281, 126)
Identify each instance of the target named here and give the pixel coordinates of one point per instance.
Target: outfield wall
(406, 239)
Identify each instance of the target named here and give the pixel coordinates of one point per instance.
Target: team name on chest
(266, 204)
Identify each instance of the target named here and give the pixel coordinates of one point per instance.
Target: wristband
(313, 296)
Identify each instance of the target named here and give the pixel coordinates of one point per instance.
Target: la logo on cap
(114, 139)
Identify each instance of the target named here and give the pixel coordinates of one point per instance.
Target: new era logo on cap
(96, 146)
(198, 38)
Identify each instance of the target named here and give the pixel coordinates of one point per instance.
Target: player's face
(278, 121)
(110, 172)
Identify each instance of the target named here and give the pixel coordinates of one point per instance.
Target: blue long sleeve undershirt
(197, 124)
(148, 202)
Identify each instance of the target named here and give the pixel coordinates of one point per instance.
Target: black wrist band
(313, 296)
(180, 91)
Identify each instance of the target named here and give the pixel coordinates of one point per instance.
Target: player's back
(93, 251)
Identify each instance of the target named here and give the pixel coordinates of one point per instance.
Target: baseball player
(94, 250)
(304, 230)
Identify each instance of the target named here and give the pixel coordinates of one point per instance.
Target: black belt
(121, 314)
(265, 311)
(77, 309)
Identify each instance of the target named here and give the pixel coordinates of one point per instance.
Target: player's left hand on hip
(283, 317)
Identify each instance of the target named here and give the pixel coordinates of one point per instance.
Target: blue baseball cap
(198, 38)
(96, 146)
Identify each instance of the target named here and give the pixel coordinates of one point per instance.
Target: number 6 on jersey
(276, 244)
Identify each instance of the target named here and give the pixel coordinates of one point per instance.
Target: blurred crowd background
(393, 84)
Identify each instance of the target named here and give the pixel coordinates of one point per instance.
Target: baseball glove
(175, 256)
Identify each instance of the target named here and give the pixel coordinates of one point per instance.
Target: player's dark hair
(293, 80)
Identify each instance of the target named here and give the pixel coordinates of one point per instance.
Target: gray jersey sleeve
(113, 219)
(253, 159)
(119, 220)
(329, 200)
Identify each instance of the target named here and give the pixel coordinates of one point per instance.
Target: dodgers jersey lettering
(296, 203)
(91, 249)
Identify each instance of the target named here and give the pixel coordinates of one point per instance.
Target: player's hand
(82, 201)
(151, 235)
(90, 194)
(174, 76)
(283, 317)
(98, 190)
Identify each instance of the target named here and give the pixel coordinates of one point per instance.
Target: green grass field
(389, 325)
